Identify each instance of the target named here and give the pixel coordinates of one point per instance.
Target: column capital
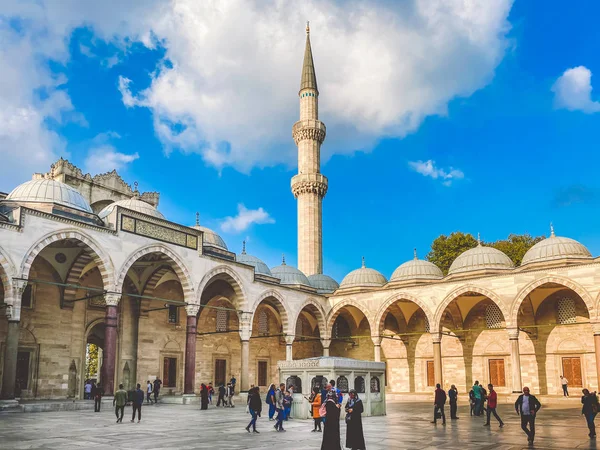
(326, 343)
(377, 340)
(112, 298)
(13, 312)
(289, 339)
(436, 337)
(596, 328)
(192, 310)
(513, 333)
(245, 331)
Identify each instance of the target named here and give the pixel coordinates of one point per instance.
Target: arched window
(296, 382)
(263, 323)
(318, 382)
(493, 316)
(427, 329)
(375, 384)
(359, 385)
(342, 384)
(566, 310)
(221, 320)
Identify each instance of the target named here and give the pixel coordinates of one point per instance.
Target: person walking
(355, 438)
(119, 402)
(527, 407)
(471, 402)
(148, 392)
(564, 383)
(492, 403)
(315, 402)
(477, 399)
(453, 397)
(331, 433)
(484, 394)
(438, 404)
(87, 390)
(138, 401)
(589, 410)
(279, 407)
(230, 394)
(233, 382)
(211, 392)
(255, 408)
(203, 397)
(156, 389)
(271, 401)
(221, 398)
(97, 392)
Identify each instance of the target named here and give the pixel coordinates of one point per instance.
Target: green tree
(445, 249)
(516, 245)
(91, 361)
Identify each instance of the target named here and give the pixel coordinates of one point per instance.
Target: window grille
(263, 323)
(173, 314)
(342, 384)
(374, 384)
(427, 329)
(359, 385)
(221, 320)
(296, 382)
(566, 310)
(299, 327)
(493, 316)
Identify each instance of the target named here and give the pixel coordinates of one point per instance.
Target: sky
(463, 115)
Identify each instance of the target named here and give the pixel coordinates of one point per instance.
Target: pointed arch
(178, 266)
(464, 290)
(279, 304)
(391, 300)
(320, 315)
(7, 272)
(337, 309)
(229, 275)
(100, 257)
(557, 279)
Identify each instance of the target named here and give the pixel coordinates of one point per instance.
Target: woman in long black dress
(355, 439)
(331, 433)
(203, 396)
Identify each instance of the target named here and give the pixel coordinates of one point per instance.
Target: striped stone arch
(391, 300)
(179, 268)
(321, 315)
(148, 288)
(100, 257)
(7, 271)
(564, 281)
(437, 323)
(74, 275)
(337, 309)
(280, 305)
(225, 273)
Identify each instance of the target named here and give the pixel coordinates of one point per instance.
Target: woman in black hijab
(331, 433)
(203, 396)
(355, 439)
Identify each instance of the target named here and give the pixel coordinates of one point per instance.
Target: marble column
(437, 358)
(9, 371)
(325, 343)
(515, 359)
(596, 328)
(190, 349)
(245, 333)
(377, 347)
(289, 341)
(110, 343)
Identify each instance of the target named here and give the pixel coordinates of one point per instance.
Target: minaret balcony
(314, 183)
(309, 129)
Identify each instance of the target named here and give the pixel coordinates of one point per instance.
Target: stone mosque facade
(89, 260)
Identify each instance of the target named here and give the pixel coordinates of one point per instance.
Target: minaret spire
(309, 78)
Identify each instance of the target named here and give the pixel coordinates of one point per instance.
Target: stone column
(515, 359)
(190, 349)
(596, 328)
(289, 341)
(110, 343)
(377, 347)
(325, 343)
(437, 357)
(245, 333)
(11, 349)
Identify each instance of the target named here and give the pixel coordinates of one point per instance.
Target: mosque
(90, 260)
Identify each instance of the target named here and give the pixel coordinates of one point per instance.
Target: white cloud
(573, 91)
(429, 169)
(106, 158)
(244, 219)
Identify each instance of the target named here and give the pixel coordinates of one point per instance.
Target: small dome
(480, 258)
(259, 266)
(49, 191)
(289, 275)
(363, 277)
(417, 269)
(210, 237)
(555, 247)
(133, 204)
(324, 284)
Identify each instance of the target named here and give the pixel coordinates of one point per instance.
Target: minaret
(309, 186)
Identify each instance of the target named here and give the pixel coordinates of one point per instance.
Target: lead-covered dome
(289, 275)
(259, 265)
(417, 269)
(133, 204)
(555, 247)
(49, 191)
(480, 258)
(363, 277)
(324, 284)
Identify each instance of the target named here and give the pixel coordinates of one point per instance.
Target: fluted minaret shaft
(309, 186)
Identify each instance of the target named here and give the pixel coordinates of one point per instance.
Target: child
(287, 405)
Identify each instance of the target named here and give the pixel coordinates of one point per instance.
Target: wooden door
(572, 371)
(497, 377)
(262, 373)
(430, 374)
(220, 372)
(170, 372)
(22, 378)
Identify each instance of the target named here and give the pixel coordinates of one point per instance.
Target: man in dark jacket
(453, 397)
(221, 398)
(254, 407)
(156, 390)
(527, 407)
(438, 404)
(137, 402)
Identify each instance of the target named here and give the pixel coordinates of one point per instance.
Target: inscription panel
(159, 232)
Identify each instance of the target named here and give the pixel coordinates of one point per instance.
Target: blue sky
(494, 130)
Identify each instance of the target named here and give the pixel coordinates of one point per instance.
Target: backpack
(268, 398)
(323, 410)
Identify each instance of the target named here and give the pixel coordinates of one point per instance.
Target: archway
(310, 324)
(350, 332)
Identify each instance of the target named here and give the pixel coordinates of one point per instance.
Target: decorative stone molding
(436, 337)
(112, 298)
(289, 339)
(513, 333)
(192, 310)
(337, 362)
(309, 130)
(229, 275)
(326, 343)
(377, 340)
(309, 183)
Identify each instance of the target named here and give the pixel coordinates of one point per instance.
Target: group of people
(93, 391)
(225, 397)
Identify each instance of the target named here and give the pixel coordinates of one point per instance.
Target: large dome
(133, 204)
(480, 258)
(289, 275)
(555, 247)
(49, 191)
(324, 284)
(259, 265)
(363, 277)
(417, 269)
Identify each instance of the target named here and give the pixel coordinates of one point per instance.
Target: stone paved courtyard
(181, 427)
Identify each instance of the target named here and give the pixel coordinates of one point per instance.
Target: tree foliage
(445, 249)
(91, 361)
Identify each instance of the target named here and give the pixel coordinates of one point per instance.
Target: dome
(49, 191)
(289, 275)
(210, 237)
(363, 277)
(133, 204)
(324, 284)
(480, 258)
(555, 247)
(259, 266)
(417, 269)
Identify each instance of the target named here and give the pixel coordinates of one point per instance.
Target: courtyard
(185, 427)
